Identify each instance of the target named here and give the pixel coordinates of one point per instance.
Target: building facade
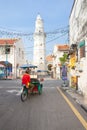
(39, 45)
(58, 52)
(78, 37)
(12, 55)
(49, 60)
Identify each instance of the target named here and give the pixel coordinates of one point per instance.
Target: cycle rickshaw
(34, 80)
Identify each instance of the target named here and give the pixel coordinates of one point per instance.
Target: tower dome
(39, 17)
(39, 27)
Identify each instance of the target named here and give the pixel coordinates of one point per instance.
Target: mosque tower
(39, 58)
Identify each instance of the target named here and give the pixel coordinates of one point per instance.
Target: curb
(75, 98)
(84, 107)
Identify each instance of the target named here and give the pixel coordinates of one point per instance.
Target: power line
(57, 37)
(52, 35)
(4, 31)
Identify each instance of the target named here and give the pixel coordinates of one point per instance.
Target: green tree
(63, 59)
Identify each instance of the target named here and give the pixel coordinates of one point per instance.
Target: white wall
(57, 54)
(18, 56)
(78, 32)
(14, 58)
(82, 79)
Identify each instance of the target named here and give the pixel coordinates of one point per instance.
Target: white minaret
(39, 44)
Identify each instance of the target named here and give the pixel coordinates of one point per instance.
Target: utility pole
(6, 52)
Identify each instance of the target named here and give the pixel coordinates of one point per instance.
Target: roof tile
(63, 47)
(8, 41)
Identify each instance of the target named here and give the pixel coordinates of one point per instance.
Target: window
(7, 50)
(82, 51)
(82, 48)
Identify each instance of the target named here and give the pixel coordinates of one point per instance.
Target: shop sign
(82, 43)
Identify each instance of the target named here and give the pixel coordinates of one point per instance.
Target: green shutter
(82, 43)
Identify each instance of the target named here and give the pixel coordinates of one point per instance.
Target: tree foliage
(63, 59)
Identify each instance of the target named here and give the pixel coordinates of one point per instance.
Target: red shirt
(26, 79)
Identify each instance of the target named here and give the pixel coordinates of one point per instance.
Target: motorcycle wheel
(24, 96)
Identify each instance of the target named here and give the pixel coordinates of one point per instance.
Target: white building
(39, 45)
(12, 55)
(58, 52)
(78, 36)
(49, 61)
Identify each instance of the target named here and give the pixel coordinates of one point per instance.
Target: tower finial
(39, 17)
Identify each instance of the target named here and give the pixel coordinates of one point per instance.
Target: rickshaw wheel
(40, 89)
(24, 96)
(40, 92)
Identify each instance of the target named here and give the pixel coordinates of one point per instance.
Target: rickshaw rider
(26, 80)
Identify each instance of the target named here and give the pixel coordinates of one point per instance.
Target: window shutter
(82, 51)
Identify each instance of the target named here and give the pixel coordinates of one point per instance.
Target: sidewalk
(77, 96)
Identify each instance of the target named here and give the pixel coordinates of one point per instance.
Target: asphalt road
(48, 111)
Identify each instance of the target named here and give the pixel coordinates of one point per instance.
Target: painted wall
(15, 57)
(56, 68)
(78, 33)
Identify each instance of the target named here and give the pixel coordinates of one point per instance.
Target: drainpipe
(77, 76)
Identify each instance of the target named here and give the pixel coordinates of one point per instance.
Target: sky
(20, 16)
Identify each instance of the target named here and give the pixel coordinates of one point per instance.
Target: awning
(6, 63)
(24, 66)
(41, 70)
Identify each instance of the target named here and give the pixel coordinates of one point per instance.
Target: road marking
(49, 87)
(78, 115)
(12, 91)
(18, 92)
(11, 87)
